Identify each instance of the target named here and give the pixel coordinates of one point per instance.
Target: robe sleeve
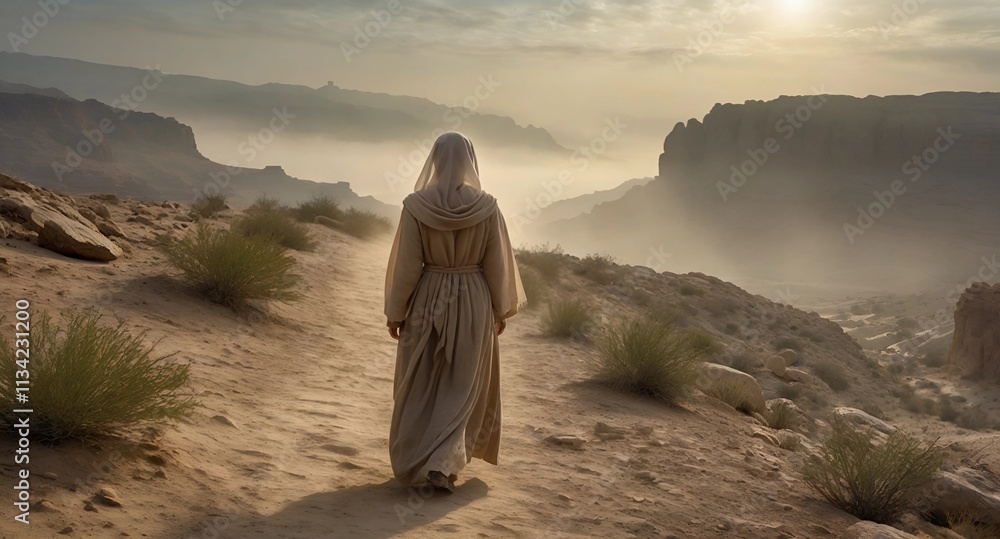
(500, 270)
(406, 262)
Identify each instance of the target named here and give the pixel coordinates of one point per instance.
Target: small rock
(639, 499)
(647, 476)
(109, 497)
(790, 356)
(565, 498)
(160, 474)
(574, 442)
(224, 420)
(66, 531)
(777, 365)
(50, 476)
(158, 460)
(644, 431)
(45, 506)
(89, 506)
(798, 375)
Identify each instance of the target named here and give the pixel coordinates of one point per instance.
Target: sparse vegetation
(275, 225)
(364, 224)
(970, 525)
(644, 357)
(319, 205)
(789, 391)
(691, 290)
(833, 374)
(703, 343)
(746, 362)
(934, 359)
(265, 203)
(232, 269)
(599, 268)
(548, 261)
(872, 481)
(789, 442)
(568, 318)
(731, 393)
(209, 205)
(95, 379)
(782, 416)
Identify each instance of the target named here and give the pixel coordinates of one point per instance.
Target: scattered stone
(109, 497)
(100, 209)
(88, 215)
(956, 491)
(720, 377)
(870, 530)
(66, 531)
(647, 476)
(798, 375)
(565, 498)
(790, 356)
(820, 531)
(142, 220)
(158, 460)
(862, 419)
(51, 476)
(766, 436)
(644, 431)
(89, 506)
(160, 474)
(777, 365)
(574, 442)
(607, 432)
(45, 506)
(110, 228)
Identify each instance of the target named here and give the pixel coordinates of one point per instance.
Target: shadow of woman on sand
(373, 511)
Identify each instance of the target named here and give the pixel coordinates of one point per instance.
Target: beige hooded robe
(451, 277)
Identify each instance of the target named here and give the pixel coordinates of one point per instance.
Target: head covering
(448, 195)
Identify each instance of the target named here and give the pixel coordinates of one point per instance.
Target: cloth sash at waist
(460, 269)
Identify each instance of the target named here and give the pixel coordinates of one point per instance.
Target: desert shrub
(789, 391)
(364, 224)
(93, 379)
(872, 481)
(833, 374)
(665, 313)
(746, 362)
(973, 419)
(812, 335)
(787, 342)
(789, 442)
(720, 307)
(732, 393)
(782, 416)
(209, 205)
(319, 205)
(691, 290)
(970, 524)
(535, 289)
(703, 343)
(232, 269)
(731, 329)
(568, 318)
(858, 310)
(266, 203)
(934, 359)
(644, 357)
(598, 268)
(275, 225)
(946, 409)
(547, 260)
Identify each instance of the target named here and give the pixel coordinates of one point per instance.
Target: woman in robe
(451, 285)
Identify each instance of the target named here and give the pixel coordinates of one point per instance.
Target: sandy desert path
(290, 440)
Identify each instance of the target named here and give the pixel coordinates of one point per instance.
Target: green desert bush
(209, 205)
(732, 393)
(598, 268)
(833, 374)
(703, 343)
(970, 524)
(275, 225)
(319, 205)
(568, 318)
(868, 479)
(782, 416)
(266, 203)
(91, 379)
(364, 224)
(645, 357)
(548, 261)
(232, 269)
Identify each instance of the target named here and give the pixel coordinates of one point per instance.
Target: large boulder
(870, 530)
(960, 491)
(59, 225)
(858, 418)
(719, 378)
(790, 356)
(975, 346)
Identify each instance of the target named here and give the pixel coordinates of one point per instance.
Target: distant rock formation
(975, 346)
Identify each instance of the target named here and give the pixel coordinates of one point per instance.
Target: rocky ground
(290, 438)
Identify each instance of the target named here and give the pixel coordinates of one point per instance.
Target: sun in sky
(794, 6)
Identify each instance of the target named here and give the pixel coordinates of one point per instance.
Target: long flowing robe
(451, 277)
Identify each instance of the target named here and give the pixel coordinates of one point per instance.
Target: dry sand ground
(291, 437)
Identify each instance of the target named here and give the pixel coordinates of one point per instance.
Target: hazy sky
(563, 65)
